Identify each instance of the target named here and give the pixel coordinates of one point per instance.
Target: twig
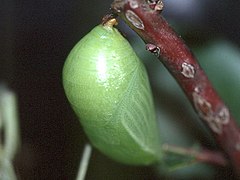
(204, 155)
(143, 16)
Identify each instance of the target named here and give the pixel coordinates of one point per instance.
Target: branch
(143, 17)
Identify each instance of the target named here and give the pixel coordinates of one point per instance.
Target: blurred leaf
(192, 171)
(6, 170)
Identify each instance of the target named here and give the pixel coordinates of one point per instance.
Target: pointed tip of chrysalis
(109, 20)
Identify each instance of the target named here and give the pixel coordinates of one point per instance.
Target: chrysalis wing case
(108, 88)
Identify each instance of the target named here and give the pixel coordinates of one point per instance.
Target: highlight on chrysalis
(108, 88)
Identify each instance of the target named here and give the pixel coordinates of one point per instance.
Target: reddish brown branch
(205, 156)
(143, 17)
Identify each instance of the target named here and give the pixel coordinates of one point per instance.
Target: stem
(205, 156)
(143, 17)
(84, 162)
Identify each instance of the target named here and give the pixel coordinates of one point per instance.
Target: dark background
(36, 37)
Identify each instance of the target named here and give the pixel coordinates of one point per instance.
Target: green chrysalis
(108, 88)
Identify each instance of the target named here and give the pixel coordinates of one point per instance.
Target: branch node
(133, 4)
(134, 19)
(153, 49)
(223, 116)
(188, 70)
(156, 5)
